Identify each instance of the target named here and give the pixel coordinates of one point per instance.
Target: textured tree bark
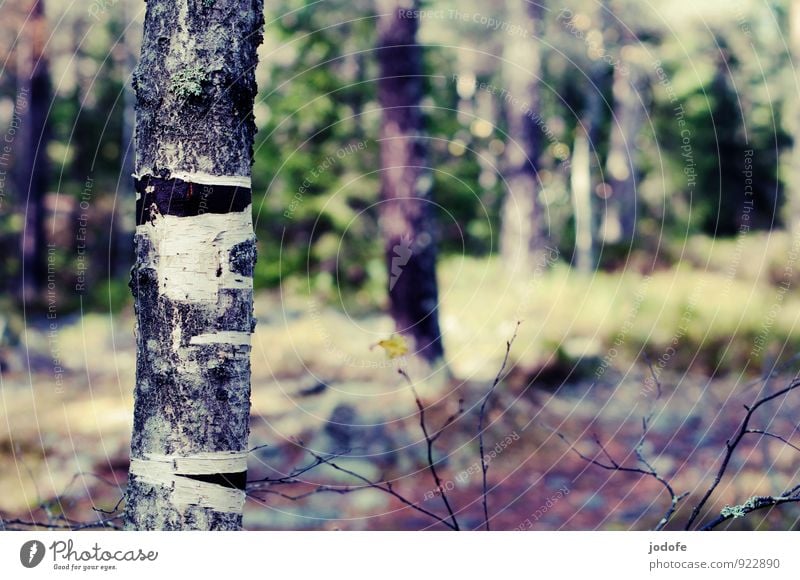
(405, 212)
(31, 168)
(522, 227)
(195, 253)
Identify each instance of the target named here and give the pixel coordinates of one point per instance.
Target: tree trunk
(120, 248)
(405, 209)
(522, 228)
(792, 212)
(581, 184)
(619, 223)
(195, 253)
(32, 166)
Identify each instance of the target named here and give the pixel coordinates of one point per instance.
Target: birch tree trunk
(521, 236)
(195, 253)
(405, 212)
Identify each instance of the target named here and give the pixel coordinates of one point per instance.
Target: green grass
(711, 317)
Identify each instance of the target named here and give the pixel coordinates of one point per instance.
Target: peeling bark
(195, 252)
(405, 212)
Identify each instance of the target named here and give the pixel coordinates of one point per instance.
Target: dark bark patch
(243, 258)
(236, 480)
(181, 198)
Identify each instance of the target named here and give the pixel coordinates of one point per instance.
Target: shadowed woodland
(520, 265)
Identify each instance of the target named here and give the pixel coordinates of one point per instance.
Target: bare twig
(614, 465)
(387, 488)
(316, 490)
(481, 417)
(774, 436)
(732, 444)
(754, 504)
(67, 525)
(450, 420)
(62, 521)
(429, 444)
(113, 510)
(291, 478)
(647, 469)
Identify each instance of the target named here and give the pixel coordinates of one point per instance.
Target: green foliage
(318, 102)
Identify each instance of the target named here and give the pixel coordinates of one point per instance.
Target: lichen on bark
(195, 253)
(204, 133)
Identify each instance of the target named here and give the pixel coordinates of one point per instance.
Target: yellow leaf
(396, 346)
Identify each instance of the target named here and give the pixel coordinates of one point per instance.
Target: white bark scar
(165, 471)
(223, 337)
(193, 253)
(208, 179)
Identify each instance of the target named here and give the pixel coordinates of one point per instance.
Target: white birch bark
(195, 253)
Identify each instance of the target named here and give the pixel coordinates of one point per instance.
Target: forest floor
(320, 384)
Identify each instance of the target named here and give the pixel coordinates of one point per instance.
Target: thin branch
(62, 521)
(730, 447)
(650, 472)
(113, 510)
(754, 504)
(316, 490)
(774, 436)
(449, 420)
(481, 417)
(291, 477)
(386, 489)
(429, 444)
(603, 450)
(73, 526)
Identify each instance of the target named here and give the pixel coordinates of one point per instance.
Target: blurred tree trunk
(619, 223)
(593, 125)
(192, 281)
(792, 214)
(31, 165)
(522, 228)
(405, 210)
(121, 253)
(581, 186)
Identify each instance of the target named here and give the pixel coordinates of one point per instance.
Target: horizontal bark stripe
(211, 480)
(222, 337)
(208, 179)
(180, 198)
